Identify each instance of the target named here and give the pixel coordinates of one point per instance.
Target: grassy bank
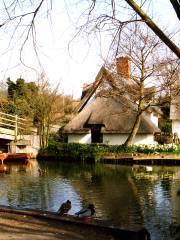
(81, 152)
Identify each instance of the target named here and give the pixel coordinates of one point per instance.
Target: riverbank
(121, 158)
(92, 153)
(141, 158)
(33, 224)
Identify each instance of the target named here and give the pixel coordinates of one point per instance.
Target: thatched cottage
(107, 117)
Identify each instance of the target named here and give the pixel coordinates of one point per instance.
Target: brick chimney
(123, 66)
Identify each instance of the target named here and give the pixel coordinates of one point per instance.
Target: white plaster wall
(176, 126)
(113, 139)
(144, 139)
(154, 119)
(79, 138)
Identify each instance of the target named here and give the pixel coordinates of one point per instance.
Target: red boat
(3, 156)
(15, 156)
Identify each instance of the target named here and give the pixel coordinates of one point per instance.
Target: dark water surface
(123, 195)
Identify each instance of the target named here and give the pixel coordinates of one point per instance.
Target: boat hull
(15, 156)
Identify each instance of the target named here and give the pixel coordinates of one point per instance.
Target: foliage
(167, 127)
(49, 109)
(76, 151)
(19, 94)
(21, 108)
(164, 103)
(154, 148)
(9, 107)
(20, 89)
(178, 147)
(40, 103)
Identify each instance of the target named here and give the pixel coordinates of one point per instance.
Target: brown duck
(64, 208)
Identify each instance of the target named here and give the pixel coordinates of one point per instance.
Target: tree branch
(154, 27)
(176, 6)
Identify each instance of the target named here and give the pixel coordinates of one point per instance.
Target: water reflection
(123, 195)
(4, 168)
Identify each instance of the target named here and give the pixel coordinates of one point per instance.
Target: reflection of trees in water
(159, 176)
(27, 192)
(108, 188)
(157, 193)
(121, 201)
(123, 195)
(25, 188)
(166, 185)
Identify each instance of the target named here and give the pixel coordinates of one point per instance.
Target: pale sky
(70, 67)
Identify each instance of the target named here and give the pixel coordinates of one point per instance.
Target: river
(124, 196)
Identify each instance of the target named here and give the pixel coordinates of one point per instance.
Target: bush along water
(95, 152)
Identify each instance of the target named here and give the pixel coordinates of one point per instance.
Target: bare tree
(111, 20)
(24, 13)
(154, 27)
(149, 76)
(47, 109)
(176, 6)
(18, 25)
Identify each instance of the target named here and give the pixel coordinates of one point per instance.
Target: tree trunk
(134, 130)
(47, 133)
(40, 134)
(137, 122)
(154, 27)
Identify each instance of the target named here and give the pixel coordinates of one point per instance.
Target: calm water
(123, 195)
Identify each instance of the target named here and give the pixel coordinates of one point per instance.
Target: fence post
(16, 127)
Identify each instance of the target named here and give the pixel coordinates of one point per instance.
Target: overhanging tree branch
(154, 27)
(176, 6)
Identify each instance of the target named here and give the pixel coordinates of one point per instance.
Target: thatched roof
(114, 114)
(111, 108)
(114, 84)
(90, 90)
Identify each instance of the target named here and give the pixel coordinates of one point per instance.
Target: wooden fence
(14, 125)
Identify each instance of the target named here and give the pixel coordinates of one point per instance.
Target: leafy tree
(19, 93)
(11, 88)
(9, 107)
(20, 89)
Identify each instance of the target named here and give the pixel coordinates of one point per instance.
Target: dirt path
(16, 224)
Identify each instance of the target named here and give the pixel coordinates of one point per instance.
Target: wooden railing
(16, 125)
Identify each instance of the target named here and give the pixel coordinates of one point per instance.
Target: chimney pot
(123, 66)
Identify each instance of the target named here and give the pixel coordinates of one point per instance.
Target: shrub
(81, 152)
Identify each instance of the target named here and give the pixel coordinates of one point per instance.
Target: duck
(64, 208)
(41, 172)
(86, 212)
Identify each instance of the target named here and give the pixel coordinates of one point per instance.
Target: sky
(68, 61)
